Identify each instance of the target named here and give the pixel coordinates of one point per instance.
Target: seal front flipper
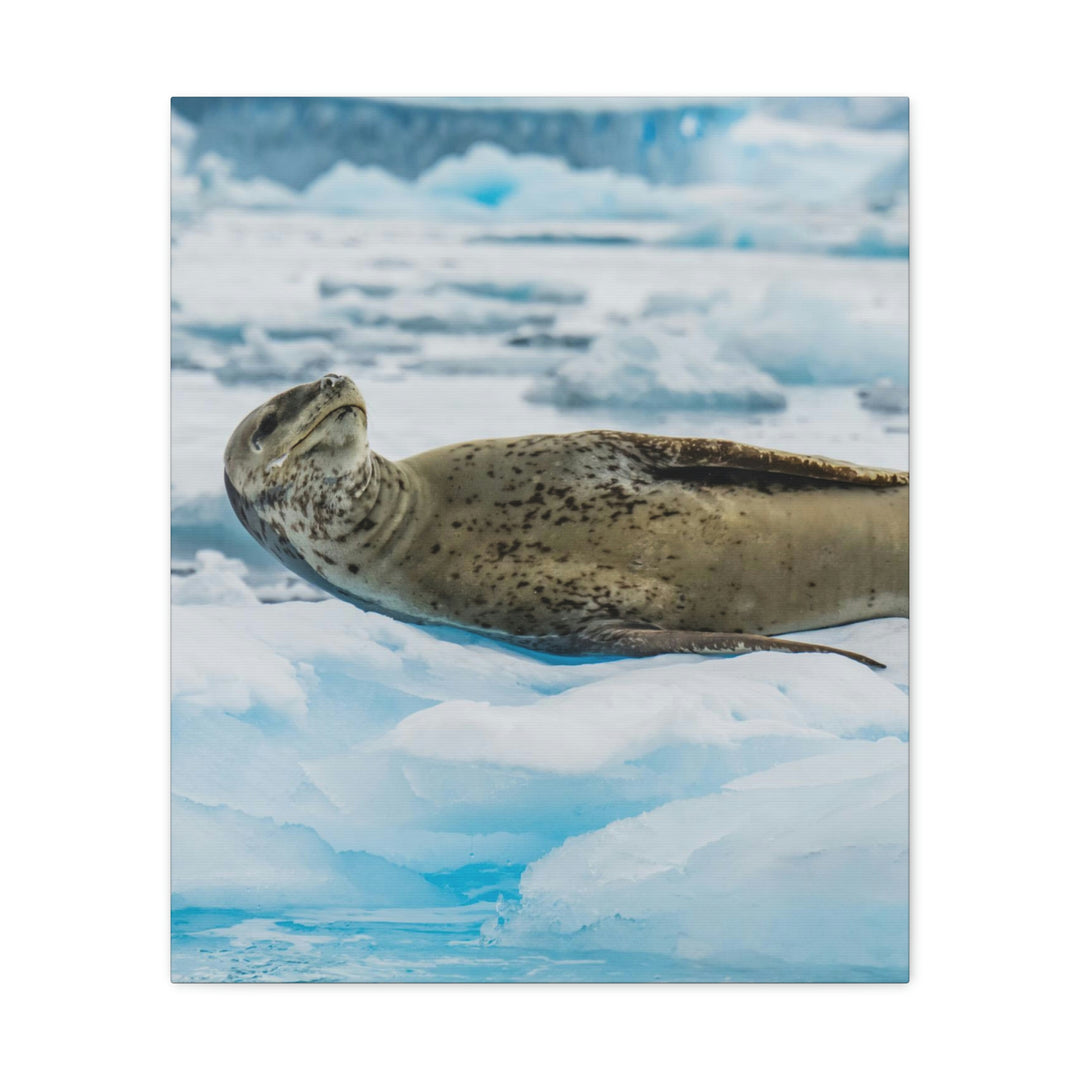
(623, 639)
(669, 456)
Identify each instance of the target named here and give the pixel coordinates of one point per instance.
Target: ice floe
(797, 871)
(656, 371)
(361, 726)
(222, 858)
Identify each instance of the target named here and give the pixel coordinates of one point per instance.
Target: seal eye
(266, 427)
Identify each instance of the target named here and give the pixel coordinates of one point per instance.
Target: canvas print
(539, 540)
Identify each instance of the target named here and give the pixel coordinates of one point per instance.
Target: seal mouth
(326, 416)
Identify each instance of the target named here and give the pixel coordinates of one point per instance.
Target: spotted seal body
(601, 542)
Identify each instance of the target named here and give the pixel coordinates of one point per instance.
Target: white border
(86, 446)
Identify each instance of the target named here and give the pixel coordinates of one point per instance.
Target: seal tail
(653, 641)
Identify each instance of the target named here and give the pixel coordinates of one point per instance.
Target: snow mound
(190, 352)
(668, 304)
(884, 396)
(656, 371)
(331, 286)
(801, 338)
(629, 715)
(215, 579)
(420, 314)
(791, 872)
(226, 859)
(460, 355)
(262, 358)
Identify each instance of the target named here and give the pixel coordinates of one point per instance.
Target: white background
(85, 459)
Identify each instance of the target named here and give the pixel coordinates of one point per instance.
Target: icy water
(360, 800)
(447, 946)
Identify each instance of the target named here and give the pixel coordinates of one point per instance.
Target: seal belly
(766, 562)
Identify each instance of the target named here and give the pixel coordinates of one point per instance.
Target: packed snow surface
(360, 799)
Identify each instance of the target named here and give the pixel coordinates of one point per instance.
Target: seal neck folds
(378, 500)
(352, 518)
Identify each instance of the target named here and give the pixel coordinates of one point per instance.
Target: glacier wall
(294, 140)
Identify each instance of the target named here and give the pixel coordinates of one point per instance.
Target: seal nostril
(328, 382)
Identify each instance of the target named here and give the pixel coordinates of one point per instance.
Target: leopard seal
(596, 543)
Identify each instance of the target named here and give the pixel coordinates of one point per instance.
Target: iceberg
(219, 186)
(534, 186)
(348, 189)
(487, 182)
(663, 140)
(816, 163)
(750, 174)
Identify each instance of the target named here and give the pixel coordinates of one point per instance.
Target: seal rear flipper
(644, 640)
(669, 456)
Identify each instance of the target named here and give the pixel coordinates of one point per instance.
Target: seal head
(322, 424)
(293, 465)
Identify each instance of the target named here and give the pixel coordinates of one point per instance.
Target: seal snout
(333, 392)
